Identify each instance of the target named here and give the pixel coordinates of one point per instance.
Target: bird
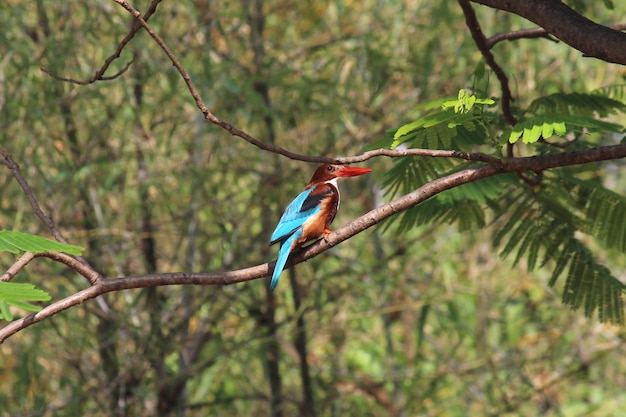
(310, 214)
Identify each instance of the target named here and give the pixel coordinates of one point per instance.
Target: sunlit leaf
(18, 295)
(5, 311)
(16, 242)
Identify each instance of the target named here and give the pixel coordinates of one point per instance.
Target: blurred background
(426, 321)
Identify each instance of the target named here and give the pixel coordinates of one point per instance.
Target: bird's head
(329, 172)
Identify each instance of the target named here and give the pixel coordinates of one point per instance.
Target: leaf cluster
(543, 225)
(447, 123)
(561, 113)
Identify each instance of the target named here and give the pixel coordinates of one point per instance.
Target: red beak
(352, 171)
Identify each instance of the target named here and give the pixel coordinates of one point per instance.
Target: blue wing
(297, 212)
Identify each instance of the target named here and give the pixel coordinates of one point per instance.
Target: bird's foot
(326, 233)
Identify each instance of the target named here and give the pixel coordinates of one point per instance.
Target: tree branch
(85, 270)
(99, 74)
(531, 33)
(17, 266)
(433, 153)
(534, 163)
(558, 19)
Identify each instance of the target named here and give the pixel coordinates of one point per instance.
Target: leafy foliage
(576, 104)
(542, 225)
(447, 123)
(559, 113)
(532, 129)
(545, 222)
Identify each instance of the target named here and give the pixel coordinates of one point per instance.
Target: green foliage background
(413, 318)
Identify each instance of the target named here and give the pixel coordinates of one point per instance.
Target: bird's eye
(330, 168)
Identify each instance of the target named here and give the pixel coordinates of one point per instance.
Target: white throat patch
(335, 182)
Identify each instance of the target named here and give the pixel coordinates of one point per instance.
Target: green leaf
(559, 128)
(577, 104)
(533, 135)
(16, 242)
(547, 129)
(464, 102)
(534, 128)
(18, 295)
(25, 306)
(404, 129)
(425, 122)
(515, 135)
(14, 291)
(5, 310)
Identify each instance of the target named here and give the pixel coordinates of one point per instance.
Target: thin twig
(532, 33)
(507, 98)
(86, 269)
(481, 42)
(433, 153)
(17, 266)
(74, 262)
(15, 169)
(99, 74)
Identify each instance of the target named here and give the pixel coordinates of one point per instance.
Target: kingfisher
(310, 214)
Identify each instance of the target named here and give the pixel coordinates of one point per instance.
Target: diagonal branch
(535, 163)
(564, 23)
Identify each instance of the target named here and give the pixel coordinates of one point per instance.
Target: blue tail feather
(283, 255)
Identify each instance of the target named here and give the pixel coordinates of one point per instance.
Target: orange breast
(315, 225)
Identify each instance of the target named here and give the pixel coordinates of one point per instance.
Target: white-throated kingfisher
(310, 214)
